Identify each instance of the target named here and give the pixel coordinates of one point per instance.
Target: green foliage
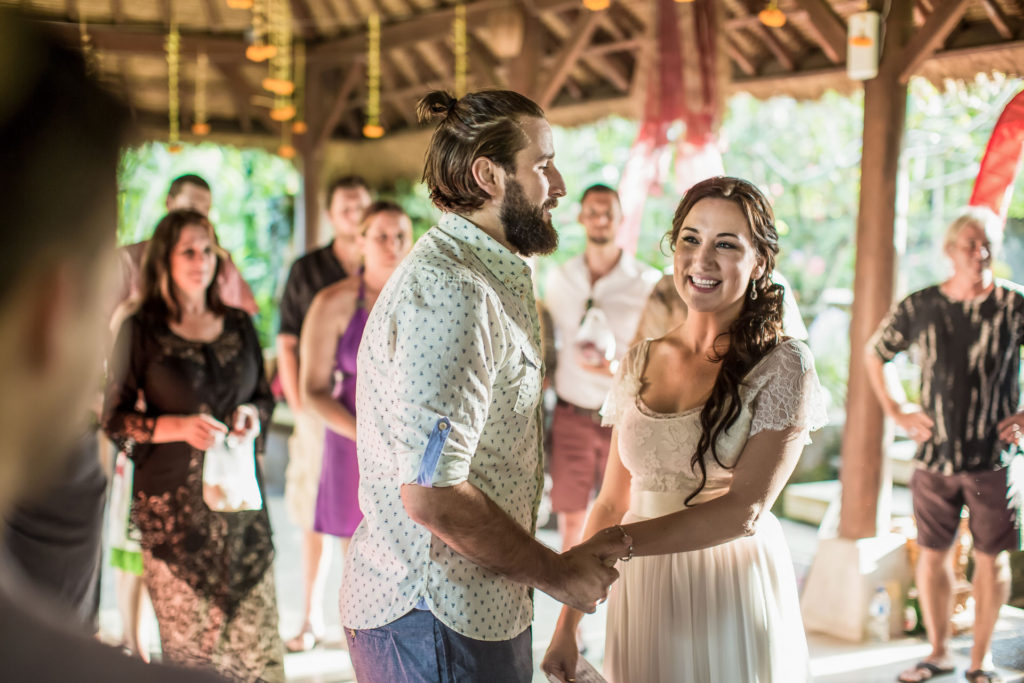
(253, 206)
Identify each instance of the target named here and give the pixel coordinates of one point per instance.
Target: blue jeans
(418, 648)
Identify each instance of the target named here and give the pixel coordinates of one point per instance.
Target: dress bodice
(780, 391)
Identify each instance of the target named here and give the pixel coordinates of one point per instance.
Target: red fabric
(666, 103)
(1002, 160)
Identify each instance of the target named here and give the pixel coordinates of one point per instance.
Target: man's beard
(599, 241)
(525, 227)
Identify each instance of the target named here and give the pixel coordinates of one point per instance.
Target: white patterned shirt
(620, 294)
(448, 390)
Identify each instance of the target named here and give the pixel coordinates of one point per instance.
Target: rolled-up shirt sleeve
(894, 333)
(446, 342)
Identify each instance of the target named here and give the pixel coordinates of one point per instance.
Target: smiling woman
(710, 594)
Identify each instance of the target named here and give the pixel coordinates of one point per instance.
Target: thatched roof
(580, 65)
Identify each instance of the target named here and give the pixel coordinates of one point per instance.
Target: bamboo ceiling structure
(580, 65)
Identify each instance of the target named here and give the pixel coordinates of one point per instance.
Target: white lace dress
(725, 614)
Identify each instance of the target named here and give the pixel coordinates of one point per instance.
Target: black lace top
(155, 372)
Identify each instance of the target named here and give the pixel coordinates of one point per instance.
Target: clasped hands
(588, 569)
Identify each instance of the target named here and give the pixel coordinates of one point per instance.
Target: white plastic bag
(229, 474)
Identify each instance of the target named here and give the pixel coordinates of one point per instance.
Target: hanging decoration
(771, 15)
(670, 99)
(596, 5)
(240, 4)
(373, 129)
(259, 50)
(459, 41)
(173, 47)
(200, 126)
(286, 150)
(299, 126)
(88, 51)
(279, 81)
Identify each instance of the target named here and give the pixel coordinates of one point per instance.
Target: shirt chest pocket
(529, 372)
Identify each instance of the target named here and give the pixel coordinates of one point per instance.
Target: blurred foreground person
(56, 271)
(197, 366)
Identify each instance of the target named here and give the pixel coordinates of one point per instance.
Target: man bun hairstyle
(480, 124)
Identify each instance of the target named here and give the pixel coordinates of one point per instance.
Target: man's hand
(587, 570)
(914, 422)
(1010, 428)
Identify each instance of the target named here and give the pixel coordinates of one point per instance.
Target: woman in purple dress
(330, 339)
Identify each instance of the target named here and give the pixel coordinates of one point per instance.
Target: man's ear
(489, 176)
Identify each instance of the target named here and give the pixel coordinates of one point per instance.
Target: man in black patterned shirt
(966, 334)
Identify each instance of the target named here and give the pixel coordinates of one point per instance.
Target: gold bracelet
(629, 553)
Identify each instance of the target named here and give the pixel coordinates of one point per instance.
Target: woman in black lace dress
(188, 370)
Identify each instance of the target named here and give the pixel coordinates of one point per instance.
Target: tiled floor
(833, 661)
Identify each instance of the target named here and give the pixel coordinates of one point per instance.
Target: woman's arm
(328, 316)
(611, 504)
(763, 468)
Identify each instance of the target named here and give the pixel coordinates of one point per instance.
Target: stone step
(809, 502)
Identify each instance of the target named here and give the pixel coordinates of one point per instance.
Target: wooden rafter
(353, 11)
(775, 47)
(598, 61)
(211, 8)
(150, 42)
(929, 38)
(116, 11)
(165, 11)
(338, 106)
(481, 60)
(827, 28)
(305, 25)
(331, 11)
(739, 58)
(998, 19)
(242, 93)
(570, 53)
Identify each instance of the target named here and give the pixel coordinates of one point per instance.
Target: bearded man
(440, 571)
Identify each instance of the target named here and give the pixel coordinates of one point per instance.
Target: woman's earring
(753, 290)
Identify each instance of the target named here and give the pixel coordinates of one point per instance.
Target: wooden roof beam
(930, 37)
(339, 104)
(483, 61)
(413, 29)
(116, 11)
(305, 25)
(602, 66)
(581, 33)
(775, 47)
(745, 65)
(121, 39)
(841, 8)
(998, 19)
(165, 11)
(242, 93)
(331, 11)
(211, 8)
(827, 28)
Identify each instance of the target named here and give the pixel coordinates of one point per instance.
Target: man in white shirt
(595, 300)
(440, 571)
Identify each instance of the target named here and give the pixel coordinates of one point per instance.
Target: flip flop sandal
(929, 670)
(983, 676)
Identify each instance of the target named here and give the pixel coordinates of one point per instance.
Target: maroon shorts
(940, 498)
(579, 451)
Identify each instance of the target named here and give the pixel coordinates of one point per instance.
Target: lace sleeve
(122, 422)
(625, 385)
(787, 392)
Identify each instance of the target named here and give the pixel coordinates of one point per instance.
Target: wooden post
(885, 102)
(311, 155)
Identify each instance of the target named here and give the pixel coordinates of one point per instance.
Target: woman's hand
(245, 422)
(198, 431)
(561, 656)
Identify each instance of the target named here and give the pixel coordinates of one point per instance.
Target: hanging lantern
(259, 50)
(299, 126)
(460, 44)
(284, 112)
(684, 1)
(173, 48)
(772, 16)
(286, 150)
(240, 4)
(373, 129)
(200, 126)
(596, 5)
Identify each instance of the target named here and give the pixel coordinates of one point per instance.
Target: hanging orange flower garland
(373, 129)
(173, 48)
